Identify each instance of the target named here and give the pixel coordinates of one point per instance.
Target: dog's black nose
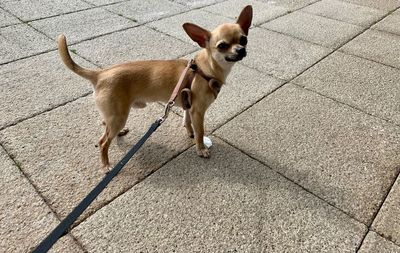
(241, 51)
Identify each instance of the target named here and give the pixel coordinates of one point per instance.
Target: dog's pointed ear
(197, 34)
(245, 17)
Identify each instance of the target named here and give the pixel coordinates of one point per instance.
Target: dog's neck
(211, 67)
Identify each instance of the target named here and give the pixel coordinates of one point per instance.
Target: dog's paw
(106, 169)
(205, 152)
(123, 132)
(190, 133)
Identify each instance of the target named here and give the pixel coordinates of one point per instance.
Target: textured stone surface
(197, 3)
(290, 4)
(316, 29)
(13, 46)
(104, 2)
(389, 24)
(139, 43)
(262, 12)
(281, 55)
(24, 218)
(387, 5)
(347, 12)
(387, 222)
(342, 155)
(27, 88)
(369, 86)
(79, 25)
(57, 151)
(229, 203)
(173, 25)
(145, 11)
(374, 243)
(376, 45)
(7, 19)
(30, 10)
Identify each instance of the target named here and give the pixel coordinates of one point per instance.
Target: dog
(134, 84)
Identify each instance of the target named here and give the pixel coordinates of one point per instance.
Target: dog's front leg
(198, 126)
(187, 122)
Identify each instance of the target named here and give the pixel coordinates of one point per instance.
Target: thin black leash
(63, 227)
(65, 224)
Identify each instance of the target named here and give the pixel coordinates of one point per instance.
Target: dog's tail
(66, 57)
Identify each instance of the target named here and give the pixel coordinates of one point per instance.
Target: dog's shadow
(227, 168)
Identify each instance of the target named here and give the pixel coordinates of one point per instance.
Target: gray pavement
(306, 132)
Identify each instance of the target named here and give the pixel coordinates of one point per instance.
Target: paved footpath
(306, 132)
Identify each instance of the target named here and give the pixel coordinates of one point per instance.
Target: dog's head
(226, 43)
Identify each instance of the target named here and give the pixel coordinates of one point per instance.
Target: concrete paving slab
(374, 243)
(139, 43)
(173, 25)
(7, 19)
(104, 2)
(263, 12)
(30, 10)
(24, 217)
(367, 85)
(389, 24)
(387, 5)
(376, 45)
(28, 88)
(387, 222)
(78, 26)
(244, 87)
(346, 12)
(280, 55)
(228, 203)
(145, 11)
(197, 3)
(19, 41)
(316, 29)
(290, 4)
(57, 151)
(342, 155)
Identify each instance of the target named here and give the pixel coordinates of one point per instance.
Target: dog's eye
(243, 41)
(223, 45)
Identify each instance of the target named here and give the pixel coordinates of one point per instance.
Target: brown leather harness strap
(180, 85)
(184, 84)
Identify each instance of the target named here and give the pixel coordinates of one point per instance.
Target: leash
(63, 227)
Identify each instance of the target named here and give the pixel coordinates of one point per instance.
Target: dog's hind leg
(114, 125)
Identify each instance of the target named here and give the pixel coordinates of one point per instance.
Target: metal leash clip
(168, 107)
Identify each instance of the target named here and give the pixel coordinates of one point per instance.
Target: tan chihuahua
(133, 84)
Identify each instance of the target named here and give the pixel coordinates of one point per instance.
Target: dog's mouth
(235, 57)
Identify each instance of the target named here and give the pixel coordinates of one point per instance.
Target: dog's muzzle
(240, 54)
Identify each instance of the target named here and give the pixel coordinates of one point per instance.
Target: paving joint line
(36, 189)
(368, 59)
(383, 236)
(289, 11)
(71, 100)
(380, 207)
(346, 104)
(362, 240)
(77, 223)
(138, 24)
(303, 71)
(346, 1)
(385, 31)
(86, 94)
(334, 19)
(292, 181)
(144, 24)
